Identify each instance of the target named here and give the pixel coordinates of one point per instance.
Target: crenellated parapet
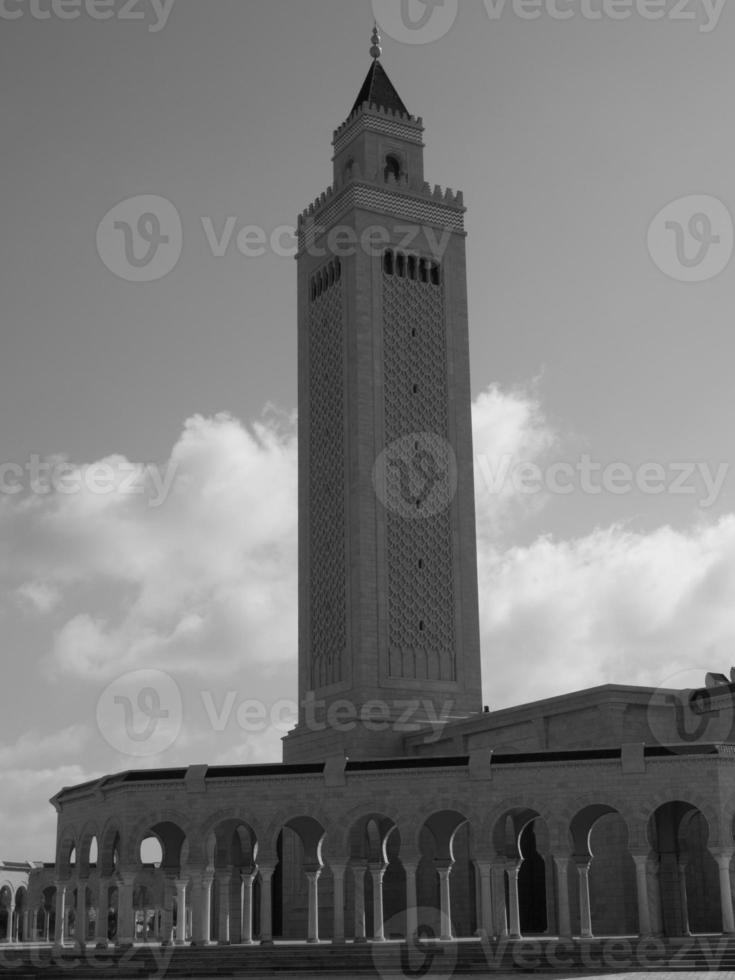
(446, 197)
(390, 122)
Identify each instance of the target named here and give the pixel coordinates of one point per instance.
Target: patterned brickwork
(399, 127)
(419, 549)
(328, 572)
(439, 210)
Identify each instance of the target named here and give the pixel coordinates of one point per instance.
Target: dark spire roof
(379, 90)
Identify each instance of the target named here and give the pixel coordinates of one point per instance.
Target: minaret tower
(388, 618)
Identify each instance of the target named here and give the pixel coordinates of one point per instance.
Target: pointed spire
(378, 90)
(376, 50)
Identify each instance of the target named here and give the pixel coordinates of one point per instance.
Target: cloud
(611, 607)
(509, 430)
(28, 820)
(195, 580)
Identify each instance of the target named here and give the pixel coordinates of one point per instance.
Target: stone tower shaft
(388, 617)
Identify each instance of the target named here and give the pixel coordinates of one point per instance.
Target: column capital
(202, 877)
(723, 855)
(338, 868)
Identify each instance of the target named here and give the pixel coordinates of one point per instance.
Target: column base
(359, 940)
(266, 942)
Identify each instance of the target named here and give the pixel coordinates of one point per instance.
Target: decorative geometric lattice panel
(419, 547)
(328, 572)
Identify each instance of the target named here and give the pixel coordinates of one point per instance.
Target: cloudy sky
(147, 428)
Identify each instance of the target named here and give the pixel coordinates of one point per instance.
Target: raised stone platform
(389, 960)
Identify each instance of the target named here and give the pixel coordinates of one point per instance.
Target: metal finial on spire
(376, 50)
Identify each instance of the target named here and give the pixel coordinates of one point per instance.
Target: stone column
(499, 906)
(682, 871)
(60, 931)
(654, 894)
(562, 879)
(181, 913)
(11, 923)
(46, 926)
(358, 871)
(224, 884)
(377, 874)
(338, 877)
(202, 908)
(266, 906)
(514, 911)
(412, 920)
(80, 923)
(246, 919)
(723, 859)
(125, 918)
(103, 905)
(641, 878)
(585, 909)
(167, 912)
(445, 903)
(312, 884)
(485, 906)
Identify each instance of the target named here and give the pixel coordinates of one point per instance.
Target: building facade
(401, 807)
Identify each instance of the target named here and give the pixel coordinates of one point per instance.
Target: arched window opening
(388, 263)
(434, 274)
(401, 264)
(412, 267)
(392, 167)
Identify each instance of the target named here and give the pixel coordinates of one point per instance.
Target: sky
(147, 411)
